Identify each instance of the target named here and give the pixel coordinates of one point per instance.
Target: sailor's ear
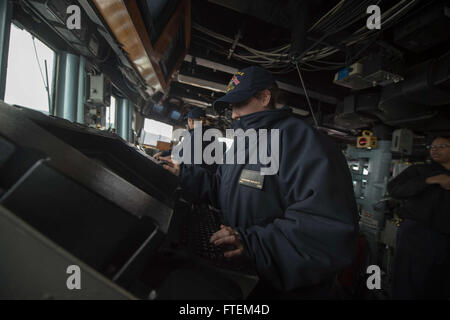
(265, 97)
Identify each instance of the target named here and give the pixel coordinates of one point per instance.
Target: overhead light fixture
(300, 112)
(201, 83)
(196, 103)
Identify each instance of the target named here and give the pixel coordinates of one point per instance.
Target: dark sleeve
(199, 184)
(166, 153)
(317, 236)
(407, 184)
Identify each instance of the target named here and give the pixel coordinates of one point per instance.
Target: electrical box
(99, 90)
(374, 70)
(352, 77)
(402, 141)
(367, 140)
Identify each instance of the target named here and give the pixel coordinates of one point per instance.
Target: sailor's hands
(171, 165)
(228, 236)
(443, 180)
(158, 155)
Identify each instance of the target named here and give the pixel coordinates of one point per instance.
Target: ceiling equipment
(155, 52)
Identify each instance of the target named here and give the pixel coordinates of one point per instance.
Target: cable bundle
(345, 14)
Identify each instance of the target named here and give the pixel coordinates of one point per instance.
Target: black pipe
(299, 29)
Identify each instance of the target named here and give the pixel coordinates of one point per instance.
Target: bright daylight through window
(111, 114)
(26, 79)
(156, 131)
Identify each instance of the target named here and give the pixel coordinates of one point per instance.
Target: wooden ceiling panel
(125, 21)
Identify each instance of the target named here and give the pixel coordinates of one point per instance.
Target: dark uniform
(301, 228)
(197, 113)
(422, 260)
(209, 167)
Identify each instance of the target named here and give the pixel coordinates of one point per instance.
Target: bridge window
(157, 131)
(111, 114)
(26, 78)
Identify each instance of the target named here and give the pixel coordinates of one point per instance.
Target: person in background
(194, 117)
(422, 259)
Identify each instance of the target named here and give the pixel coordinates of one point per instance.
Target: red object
(363, 142)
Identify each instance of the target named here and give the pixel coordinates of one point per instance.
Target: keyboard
(196, 234)
(189, 247)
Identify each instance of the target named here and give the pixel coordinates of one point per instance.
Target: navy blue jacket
(425, 203)
(301, 228)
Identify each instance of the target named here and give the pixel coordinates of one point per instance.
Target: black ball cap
(196, 113)
(244, 85)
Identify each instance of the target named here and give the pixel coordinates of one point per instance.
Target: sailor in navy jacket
(299, 227)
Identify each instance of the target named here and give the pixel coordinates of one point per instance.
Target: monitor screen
(175, 115)
(158, 108)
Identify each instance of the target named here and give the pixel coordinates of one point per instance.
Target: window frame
(56, 52)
